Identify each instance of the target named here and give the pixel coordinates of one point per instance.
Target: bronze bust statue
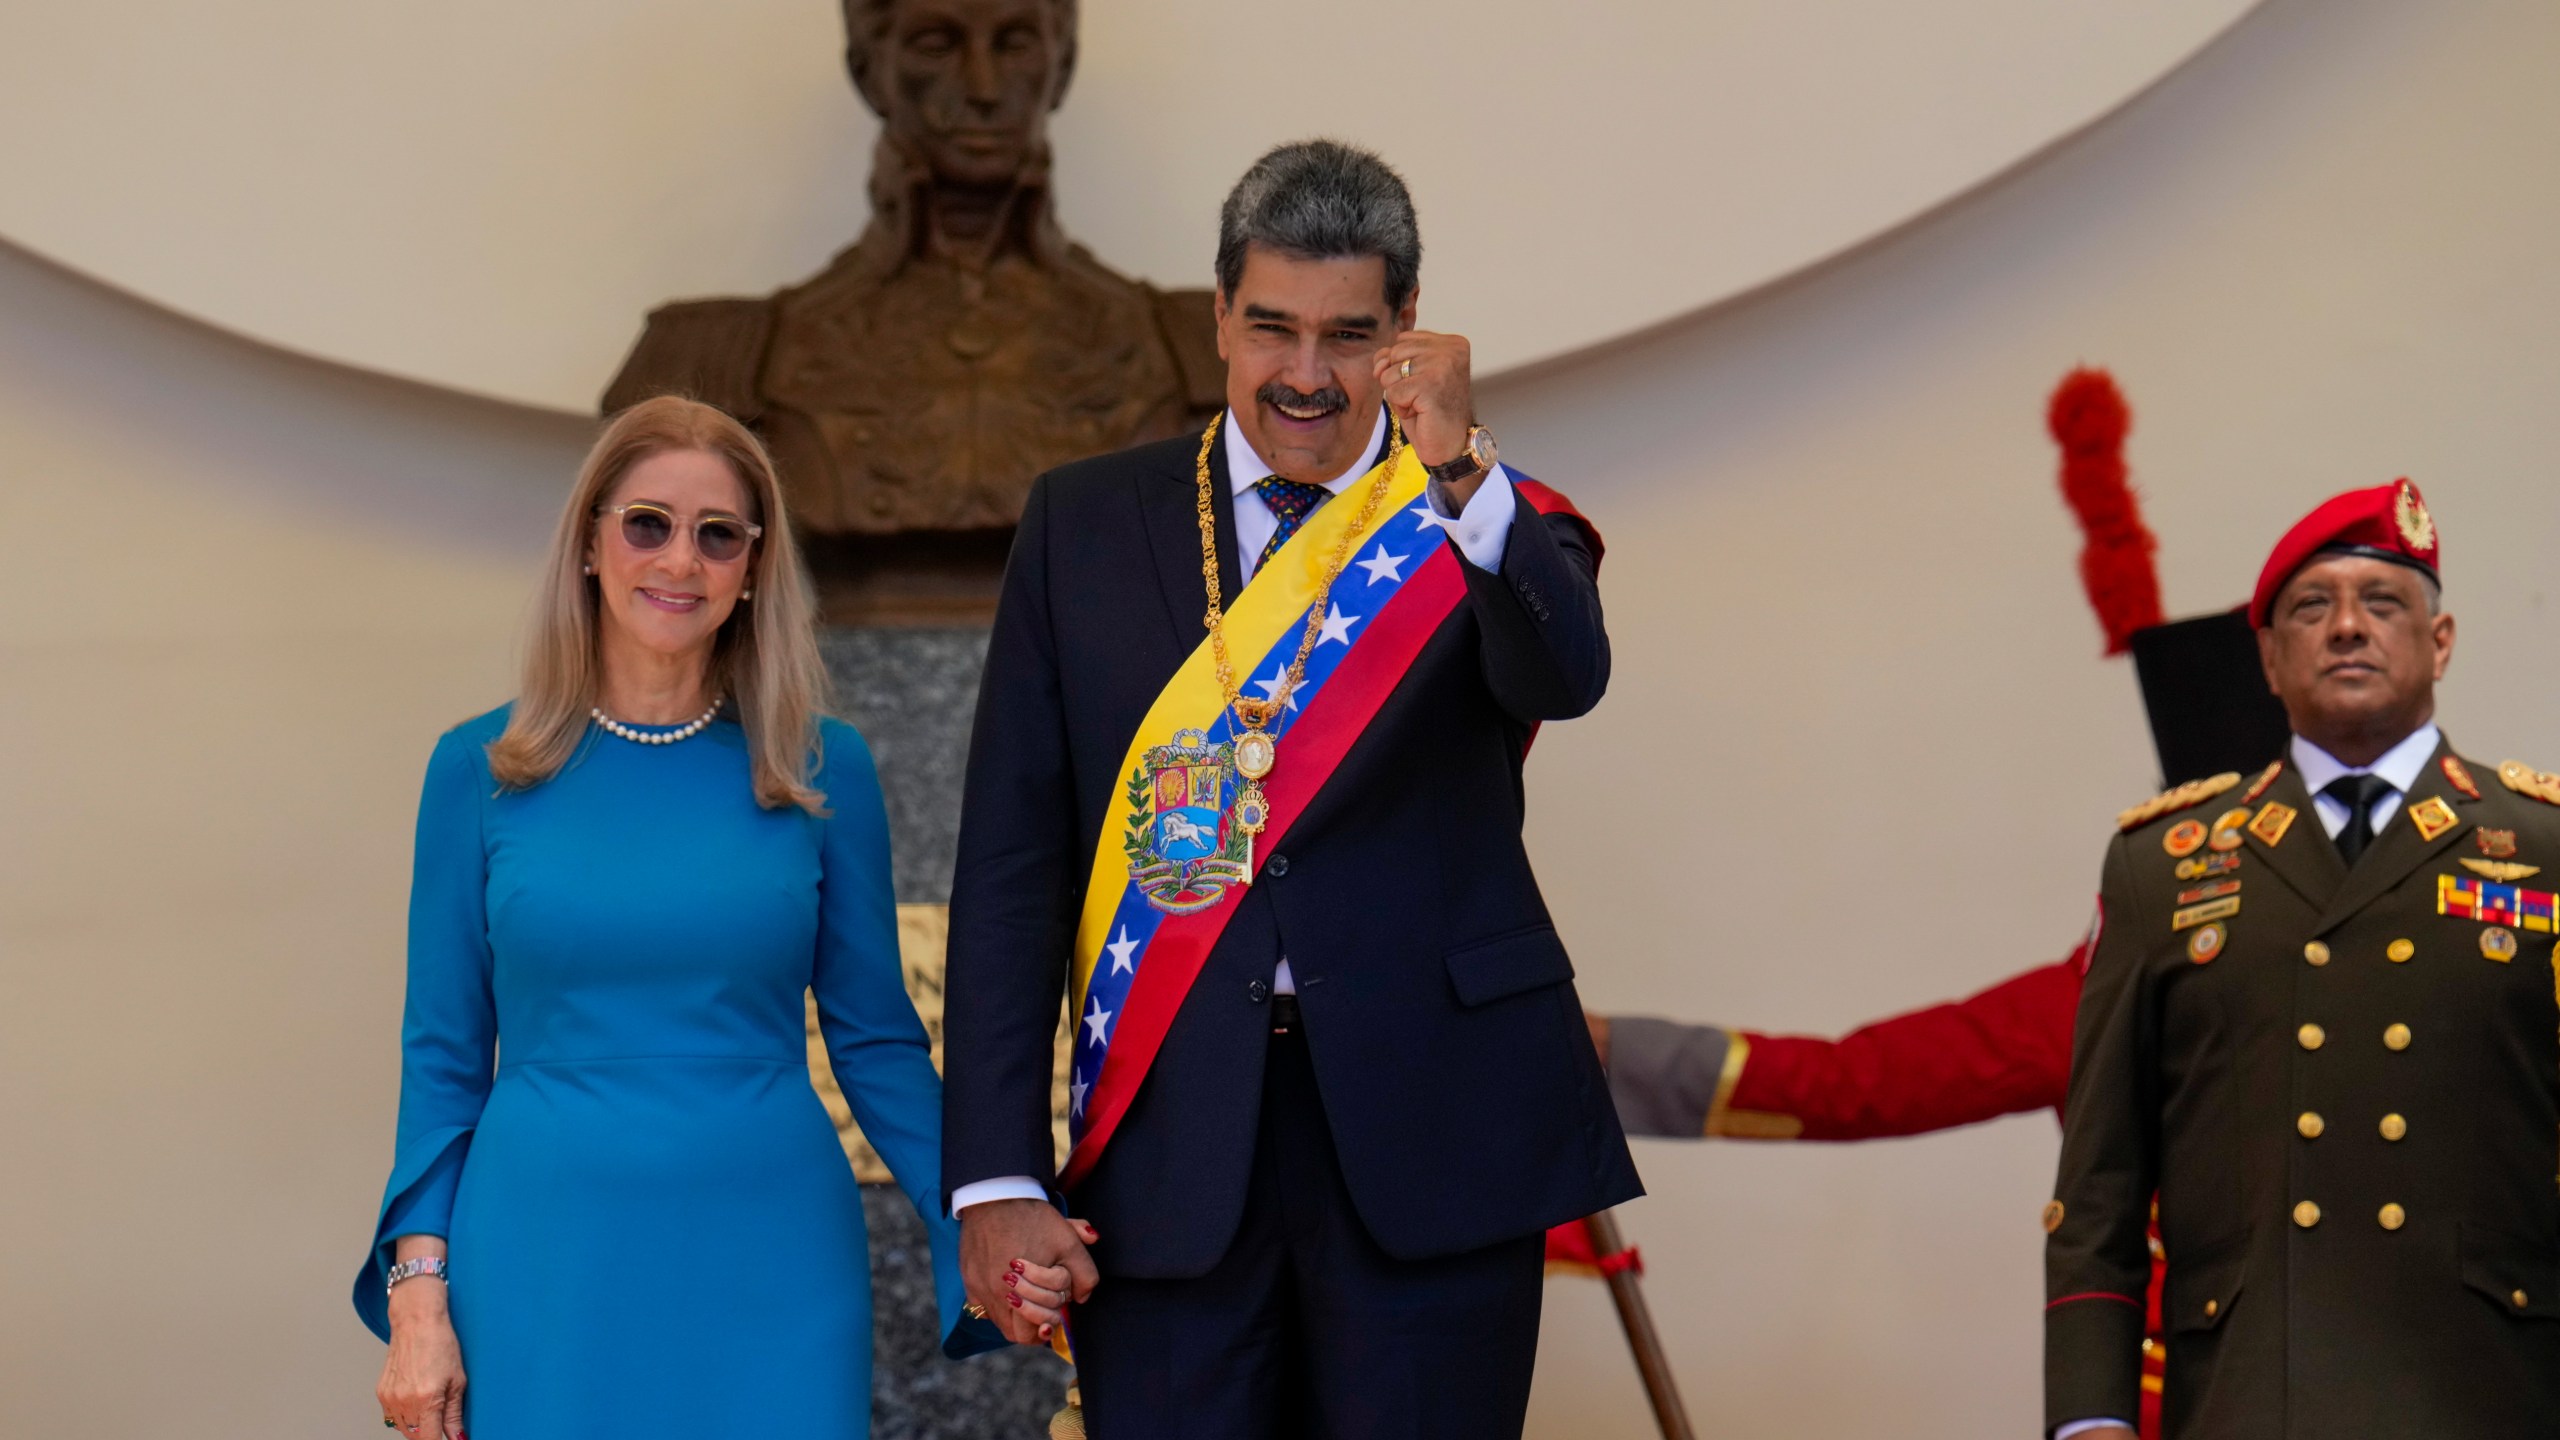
(962, 345)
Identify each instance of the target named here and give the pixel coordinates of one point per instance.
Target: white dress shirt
(1480, 531)
(2399, 767)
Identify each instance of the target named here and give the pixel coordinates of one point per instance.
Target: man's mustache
(1325, 401)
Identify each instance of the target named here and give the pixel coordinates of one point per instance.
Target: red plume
(2089, 420)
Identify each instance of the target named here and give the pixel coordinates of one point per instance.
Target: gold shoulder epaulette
(2168, 802)
(2523, 779)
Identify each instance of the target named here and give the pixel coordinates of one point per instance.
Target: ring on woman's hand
(390, 1424)
(973, 1310)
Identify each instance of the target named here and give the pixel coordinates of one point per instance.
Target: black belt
(1284, 1014)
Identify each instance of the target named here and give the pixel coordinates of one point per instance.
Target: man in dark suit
(1314, 1172)
(2322, 1026)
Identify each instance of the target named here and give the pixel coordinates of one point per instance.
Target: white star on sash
(1271, 687)
(1337, 627)
(1121, 950)
(1425, 517)
(1383, 566)
(1078, 1089)
(1099, 1022)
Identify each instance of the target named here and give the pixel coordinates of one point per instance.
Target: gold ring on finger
(1408, 369)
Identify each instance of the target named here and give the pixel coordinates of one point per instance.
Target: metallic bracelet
(412, 1269)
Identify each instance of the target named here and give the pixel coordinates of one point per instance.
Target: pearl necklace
(656, 737)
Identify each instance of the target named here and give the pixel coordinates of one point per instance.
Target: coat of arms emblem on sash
(1184, 842)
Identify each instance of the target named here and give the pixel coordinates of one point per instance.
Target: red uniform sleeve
(2003, 1051)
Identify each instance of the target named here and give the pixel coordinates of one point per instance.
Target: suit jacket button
(1259, 990)
(2312, 1037)
(2396, 1037)
(2393, 1127)
(1277, 866)
(2393, 1217)
(2316, 953)
(2306, 1214)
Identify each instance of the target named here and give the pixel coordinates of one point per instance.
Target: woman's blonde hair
(764, 659)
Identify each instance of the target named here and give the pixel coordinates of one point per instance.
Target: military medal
(2432, 816)
(2498, 943)
(2227, 834)
(2496, 844)
(2214, 891)
(2194, 915)
(2184, 838)
(2204, 865)
(2206, 943)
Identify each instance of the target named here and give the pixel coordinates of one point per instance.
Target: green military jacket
(2343, 1087)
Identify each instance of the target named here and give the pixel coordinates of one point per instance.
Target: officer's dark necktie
(2359, 793)
(1291, 503)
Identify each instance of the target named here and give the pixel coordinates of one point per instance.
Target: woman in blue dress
(617, 1208)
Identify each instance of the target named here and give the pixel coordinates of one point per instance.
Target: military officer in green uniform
(2321, 1024)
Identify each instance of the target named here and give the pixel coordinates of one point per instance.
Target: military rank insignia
(2458, 775)
(2259, 787)
(2493, 903)
(2432, 816)
(2273, 820)
(2496, 844)
(2523, 779)
(2176, 798)
(2184, 838)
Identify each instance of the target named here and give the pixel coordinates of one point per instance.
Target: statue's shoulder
(1189, 320)
(2175, 799)
(708, 350)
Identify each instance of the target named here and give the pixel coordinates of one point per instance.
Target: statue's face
(967, 84)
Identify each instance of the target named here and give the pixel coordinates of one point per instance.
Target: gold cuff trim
(1731, 1124)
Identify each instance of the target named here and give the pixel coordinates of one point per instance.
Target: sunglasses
(715, 537)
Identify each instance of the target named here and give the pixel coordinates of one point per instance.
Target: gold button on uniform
(2519, 1298)
(2306, 1214)
(2393, 1217)
(2312, 1037)
(2316, 952)
(2212, 1308)
(2393, 1127)
(2396, 1038)
(2400, 952)
(2052, 1216)
(2310, 1124)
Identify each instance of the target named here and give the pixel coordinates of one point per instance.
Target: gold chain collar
(1257, 714)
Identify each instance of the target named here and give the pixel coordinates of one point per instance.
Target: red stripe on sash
(1324, 733)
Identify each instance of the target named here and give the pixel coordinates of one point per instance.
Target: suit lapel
(2399, 849)
(2304, 857)
(1170, 505)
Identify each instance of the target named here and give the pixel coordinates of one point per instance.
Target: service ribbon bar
(2492, 903)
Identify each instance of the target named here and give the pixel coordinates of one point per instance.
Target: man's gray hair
(1322, 200)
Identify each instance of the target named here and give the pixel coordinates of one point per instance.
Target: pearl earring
(746, 594)
(590, 569)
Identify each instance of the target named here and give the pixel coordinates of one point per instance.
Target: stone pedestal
(913, 692)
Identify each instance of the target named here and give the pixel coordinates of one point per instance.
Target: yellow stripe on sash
(1273, 606)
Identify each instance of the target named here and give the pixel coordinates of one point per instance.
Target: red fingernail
(1015, 1300)
(1017, 1267)
(1011, 1279)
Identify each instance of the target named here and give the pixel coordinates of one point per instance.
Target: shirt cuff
(1483, 528)
(1003, 1187)
(2083, 1427)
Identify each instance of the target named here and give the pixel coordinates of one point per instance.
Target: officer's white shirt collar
(2399, 767)
(1480, 531)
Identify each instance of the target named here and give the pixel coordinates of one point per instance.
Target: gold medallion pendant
(1256, 751)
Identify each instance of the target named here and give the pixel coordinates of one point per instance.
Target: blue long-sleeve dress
(604, 1097)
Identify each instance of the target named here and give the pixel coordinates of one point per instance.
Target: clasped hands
(1024, 1263)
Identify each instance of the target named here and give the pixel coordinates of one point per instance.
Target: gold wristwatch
(1477, 459)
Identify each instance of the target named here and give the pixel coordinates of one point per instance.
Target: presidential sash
(1171, 861)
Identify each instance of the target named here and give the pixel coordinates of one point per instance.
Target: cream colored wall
(1860, 753)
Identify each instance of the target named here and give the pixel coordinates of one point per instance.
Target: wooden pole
(1651, 1363)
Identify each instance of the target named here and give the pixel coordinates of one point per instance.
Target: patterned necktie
(2359, 793)
(1291, 503)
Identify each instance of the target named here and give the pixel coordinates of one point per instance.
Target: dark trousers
(1306, 1328)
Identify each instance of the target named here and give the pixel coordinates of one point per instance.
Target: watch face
(1480, 445)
